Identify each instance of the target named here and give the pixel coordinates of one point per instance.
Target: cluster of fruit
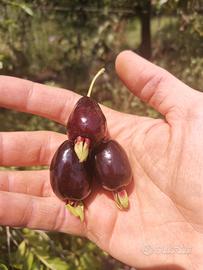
(89, 154)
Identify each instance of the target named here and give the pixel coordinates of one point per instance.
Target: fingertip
(121, 58)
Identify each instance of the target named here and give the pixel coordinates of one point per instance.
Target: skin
(166, 155)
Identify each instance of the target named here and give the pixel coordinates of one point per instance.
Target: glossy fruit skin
(69, 178)
(111, 165)
(87, 120)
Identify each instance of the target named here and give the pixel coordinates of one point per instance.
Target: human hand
(166, 196)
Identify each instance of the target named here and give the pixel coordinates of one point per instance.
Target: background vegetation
(64, 43)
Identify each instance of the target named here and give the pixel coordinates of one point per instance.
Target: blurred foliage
(187, 65)
(179, 45)
(29, 250)
(64, 43)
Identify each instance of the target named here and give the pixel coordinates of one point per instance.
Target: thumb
(154, 85)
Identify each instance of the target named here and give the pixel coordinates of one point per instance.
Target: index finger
(51, 102)
(26, 96)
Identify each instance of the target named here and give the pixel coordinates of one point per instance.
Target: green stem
(101, 71)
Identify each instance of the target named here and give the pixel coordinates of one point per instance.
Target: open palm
(164, 224)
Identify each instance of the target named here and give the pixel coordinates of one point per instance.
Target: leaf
(27, 9)
(52, 263)
(162, 2)
(29, 261)
(3, 267)
(58, 264)
(24, 7)
(37, 265)
(22, 248)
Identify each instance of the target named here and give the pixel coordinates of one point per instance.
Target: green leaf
(27, 9)
(58, 264)
(22, 248)
(24, 7)
(3, 267)
(29, 261)
(53, 263)
(37, 265)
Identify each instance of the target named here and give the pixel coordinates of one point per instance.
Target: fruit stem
(76, 209)
(121, 199)
(101, 71)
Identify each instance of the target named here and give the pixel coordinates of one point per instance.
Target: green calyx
(76, 209)
(121, 199)
(81, 148)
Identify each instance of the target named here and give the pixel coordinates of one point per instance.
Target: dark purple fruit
(87, 121)
(69, 178)
(86, 124)
(113, 170)
(112, 167)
